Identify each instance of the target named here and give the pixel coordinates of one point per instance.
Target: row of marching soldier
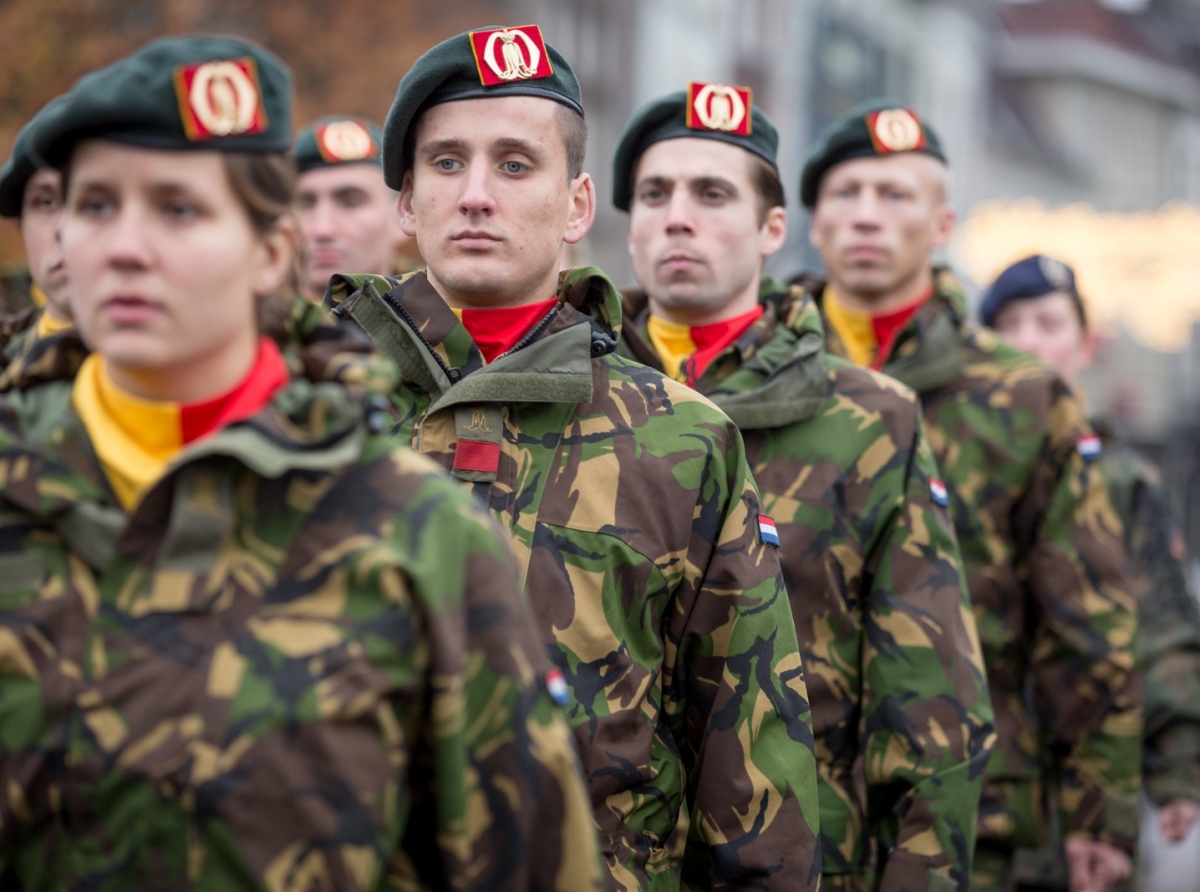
(489, 575)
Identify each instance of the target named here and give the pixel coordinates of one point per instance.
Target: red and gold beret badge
(719, 107)
(341, 142)
(219, 99)
(505, 55)
(895, 130)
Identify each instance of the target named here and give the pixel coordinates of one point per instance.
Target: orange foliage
(347, 56)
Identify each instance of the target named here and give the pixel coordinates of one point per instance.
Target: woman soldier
(244, 642)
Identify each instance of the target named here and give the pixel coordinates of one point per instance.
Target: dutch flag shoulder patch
(1089, 447)
(556, 686)
(937, 492)
(767, 533)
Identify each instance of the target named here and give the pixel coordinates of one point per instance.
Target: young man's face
(348, 221)
(696, 230)
(878, 221)
(489, 201)
(1049, 327)
(41, 210)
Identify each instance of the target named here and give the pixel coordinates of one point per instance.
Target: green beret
(495, 61)
(178, 93)
(874, 128)
(22, 165)
(336, 140)
(704, 111)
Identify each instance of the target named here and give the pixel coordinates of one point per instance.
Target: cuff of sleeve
(1172, 787)
(905, 871)
(1113, 819)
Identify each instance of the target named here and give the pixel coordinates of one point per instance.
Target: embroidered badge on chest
(719, 107)
(219, 99)
(345, 141)
(938, 492)
(556, 685)
(895, 130)
(1089, 447)
(505, 55)
(767, 533)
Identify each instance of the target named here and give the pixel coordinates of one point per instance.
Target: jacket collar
(411, 324)
(928, 352)
(309, 425)
(774, 375)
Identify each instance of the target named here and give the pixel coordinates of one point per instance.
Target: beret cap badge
(895, 130)
(220, 98)
(342, 141)
(719, 107)
(504, 55)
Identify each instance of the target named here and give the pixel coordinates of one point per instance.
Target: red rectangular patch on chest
(475, 455)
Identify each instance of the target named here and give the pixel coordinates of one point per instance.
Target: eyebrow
(696, 183)
(455, 144)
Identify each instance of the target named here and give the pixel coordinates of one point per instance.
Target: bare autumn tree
(347, 56)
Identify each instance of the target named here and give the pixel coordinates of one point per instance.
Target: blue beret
(1032, 277)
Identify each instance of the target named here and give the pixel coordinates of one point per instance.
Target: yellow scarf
(672, 342)
(48, 324)
(854, 328)
(134, 439)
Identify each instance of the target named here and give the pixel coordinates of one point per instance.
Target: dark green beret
(494, 61)
(22, 165)
(704, 111)
(874, 128)
(178, 93)
(338, 139)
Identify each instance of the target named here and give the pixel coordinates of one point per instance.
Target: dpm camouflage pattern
(1042, 548)
(302, 662)
(1169, 628)
(635, 523)
(892, 661)
(1169, 624)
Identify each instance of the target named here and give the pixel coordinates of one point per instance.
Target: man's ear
(404, 206)
(944, 220)
(583, 209)
(774, 231)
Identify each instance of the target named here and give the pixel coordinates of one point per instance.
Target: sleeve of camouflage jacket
(495, 781)
(736, 699)
(1083, 650)
(1170, 653)
(927, 725)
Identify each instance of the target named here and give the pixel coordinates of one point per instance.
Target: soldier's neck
(705, 312)
(499, 296)
(880, 303)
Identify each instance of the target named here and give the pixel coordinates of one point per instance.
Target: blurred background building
(1073, 127)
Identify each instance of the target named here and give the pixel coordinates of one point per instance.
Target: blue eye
(445, 164)
(514, 167)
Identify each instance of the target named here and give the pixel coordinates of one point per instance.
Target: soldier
(1035, 305)
(32, 194)
(651, 569)
(1040, 542)
(347, 213)
(895, 678)
(245, 641)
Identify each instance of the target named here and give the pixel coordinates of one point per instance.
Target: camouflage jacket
(635, 522)
(1042, 549)
(1170, 626)
(303, 661)
(895, 677)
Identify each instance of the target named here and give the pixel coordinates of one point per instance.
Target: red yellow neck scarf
(135, 439)
(687, 351)
(496, 331)
(867, 338)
